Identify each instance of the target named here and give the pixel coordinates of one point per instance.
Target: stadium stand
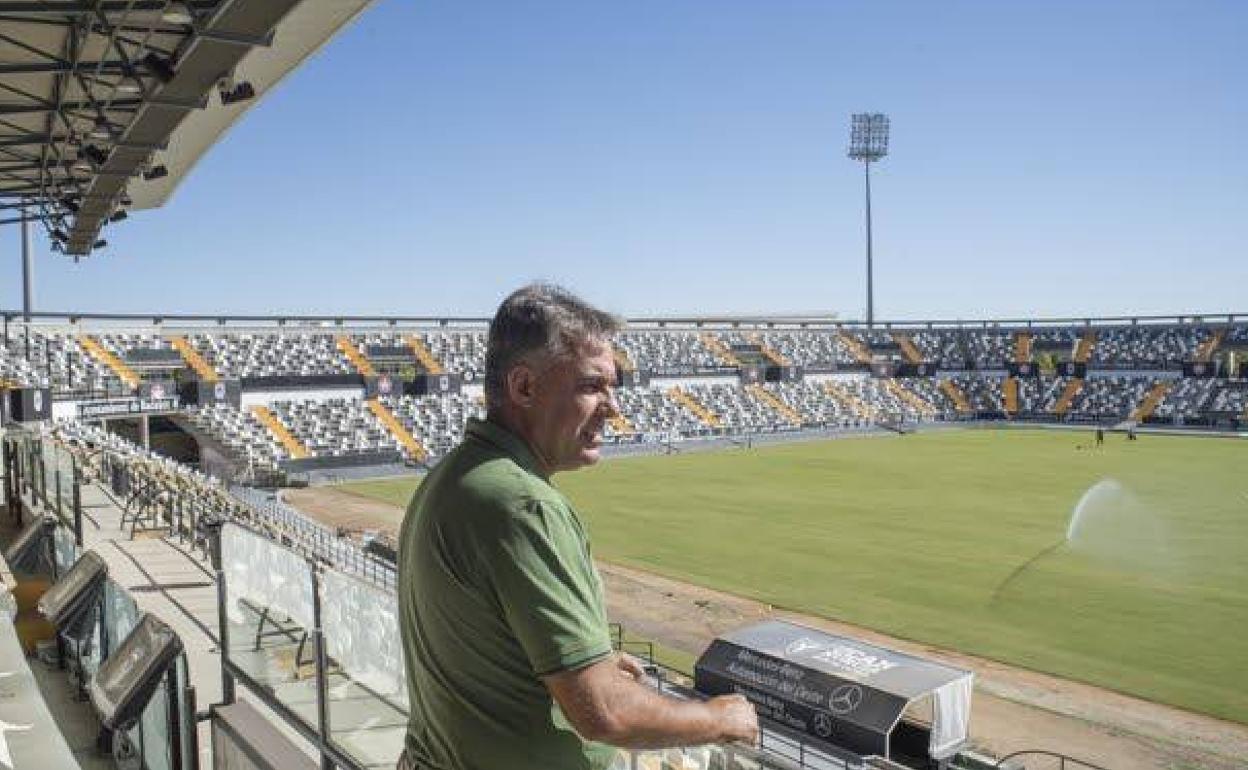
(255, 355)
(982, 393)
(59, 361)
(1149, 347)
(814, 404)
(1186, 400)
(240, 433)
(667, 351)
(437, 422)
(1230, 400)
(337, 427)
(651, 413)
(810, 349)
(1109, 398)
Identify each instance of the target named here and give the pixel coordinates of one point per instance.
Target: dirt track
(1014, 708)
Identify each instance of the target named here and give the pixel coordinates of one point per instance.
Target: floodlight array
(868, 136)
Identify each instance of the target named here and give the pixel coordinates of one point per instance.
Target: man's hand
(737, 718)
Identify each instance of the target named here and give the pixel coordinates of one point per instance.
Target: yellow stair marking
(294, 447)
(908, 348)
(909, 396)
(1084, 350)
(772, 400)
(353, 354)
(1151, 399)
(689, 402)
(1068, 396)
(414, 448)
(426, 359)
(97, 351)
(1022, 347)
(856, 346)
(1207, 348)
(959, 398)
(1009, 389)
(621, 424)
(193, 359)
(721, 351)
(622, 360)
(855, 404)
(771, 354)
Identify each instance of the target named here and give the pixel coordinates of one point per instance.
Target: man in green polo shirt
(509, 661)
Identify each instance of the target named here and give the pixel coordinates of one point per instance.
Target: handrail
(1062, 758)
(762, 320)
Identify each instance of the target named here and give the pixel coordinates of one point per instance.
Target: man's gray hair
(539, 320)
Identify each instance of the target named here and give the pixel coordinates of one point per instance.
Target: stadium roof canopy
(106, 104)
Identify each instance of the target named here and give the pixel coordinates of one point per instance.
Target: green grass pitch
(913, 536)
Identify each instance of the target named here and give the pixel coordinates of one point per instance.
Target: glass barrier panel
(64, 549)
(366, 685)
(151, 733)
(270, 619)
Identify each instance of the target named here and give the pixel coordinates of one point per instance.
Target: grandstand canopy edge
(107, 105)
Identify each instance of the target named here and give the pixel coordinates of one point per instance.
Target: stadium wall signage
(833, 689)
(119, 407)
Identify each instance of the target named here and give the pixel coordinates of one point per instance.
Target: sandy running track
(1014, 708)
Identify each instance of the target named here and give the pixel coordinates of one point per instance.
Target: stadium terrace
(182, 427)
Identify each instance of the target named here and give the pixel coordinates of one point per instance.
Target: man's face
(572, 400)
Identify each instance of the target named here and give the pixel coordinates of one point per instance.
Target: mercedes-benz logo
(823, 725)
(845, 699)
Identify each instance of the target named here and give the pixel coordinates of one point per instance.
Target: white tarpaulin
(361, 627)
(951, 717)
(265, 574)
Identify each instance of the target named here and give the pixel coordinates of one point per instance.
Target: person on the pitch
(505, 636)
(1100, 436)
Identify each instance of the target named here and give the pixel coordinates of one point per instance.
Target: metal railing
(1063, 761)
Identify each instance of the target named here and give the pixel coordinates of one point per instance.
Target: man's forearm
(640, 717)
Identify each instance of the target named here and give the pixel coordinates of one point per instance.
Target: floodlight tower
(868, 142)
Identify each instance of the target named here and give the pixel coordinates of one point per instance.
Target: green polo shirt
(496, 588)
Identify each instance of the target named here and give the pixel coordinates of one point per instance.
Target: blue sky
(687, 156)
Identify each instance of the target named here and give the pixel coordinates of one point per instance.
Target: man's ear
(521, 385)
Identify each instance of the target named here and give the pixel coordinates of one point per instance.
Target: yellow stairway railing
(93, 348)
(1083, 351)
(721, 351)
(424, 356)
(1009, 389)
(1022, 347)
(856, 346)
(770, 353)
(1151, 400)
(955, 393)
(909, 396)
(294, 447)
(849, 400)
(767, 397)
(908, 348)
(1068, 396)
(622, 359)
(701, 412)
(621, 424)
(1206, 349)
(415, 450)
(206, 371)
(353, 354)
